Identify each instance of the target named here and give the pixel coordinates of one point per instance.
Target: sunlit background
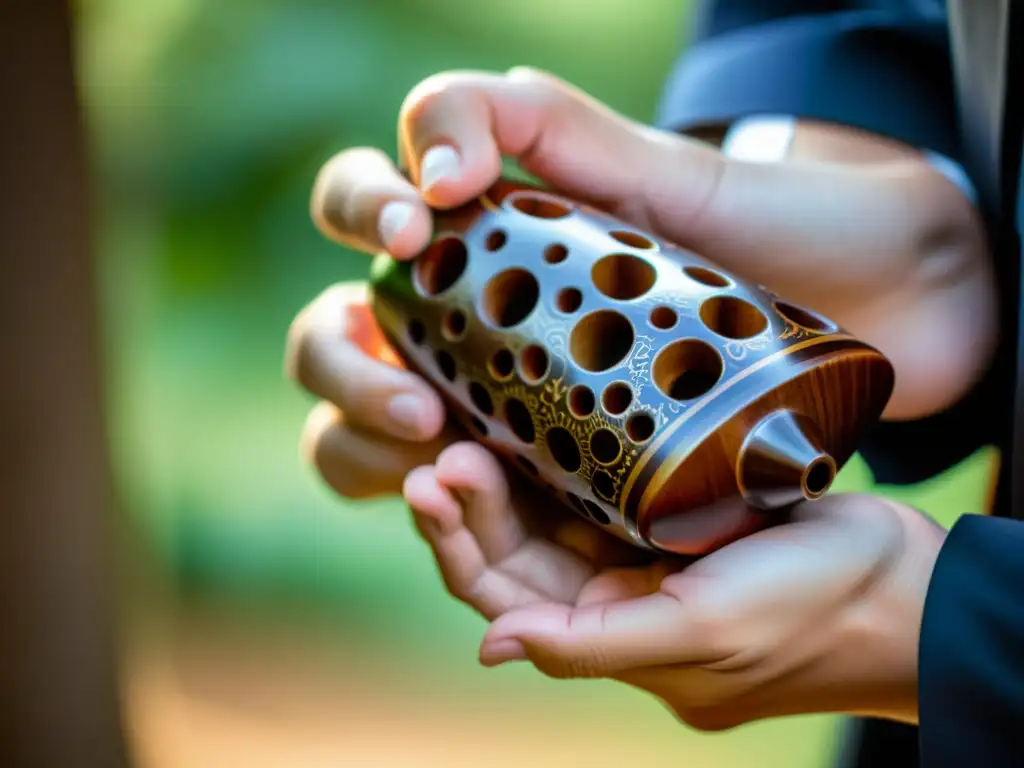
(267, 622)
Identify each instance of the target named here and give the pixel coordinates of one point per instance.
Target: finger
(358, 464)
(455, 128)
(473, 474)
(362, 201)
(476, 477)
(467, 491)
(767, 222)
(460, 560)
(594, 640)
(438, 517)
(326, 354)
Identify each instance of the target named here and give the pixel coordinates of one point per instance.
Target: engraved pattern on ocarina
(662, 398)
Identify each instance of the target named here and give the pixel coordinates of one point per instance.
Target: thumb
(596, 640)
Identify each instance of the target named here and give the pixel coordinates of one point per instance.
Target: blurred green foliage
(208, 122)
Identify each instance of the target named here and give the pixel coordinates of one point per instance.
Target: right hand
(890, 250)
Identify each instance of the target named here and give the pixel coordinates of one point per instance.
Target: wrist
(936, 284)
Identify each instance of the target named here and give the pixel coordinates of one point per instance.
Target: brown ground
(216, 697)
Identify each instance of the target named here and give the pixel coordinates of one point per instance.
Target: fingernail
(404, 412)
(394, 217)
(502, 651)
(439, 163)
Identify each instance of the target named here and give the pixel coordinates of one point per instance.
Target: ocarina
(665, 400)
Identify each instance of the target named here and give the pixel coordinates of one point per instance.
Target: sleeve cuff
(879, 72)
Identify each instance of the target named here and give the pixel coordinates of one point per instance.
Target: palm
(500, 547)
(509, 550)
(781, 580)
(785, 579)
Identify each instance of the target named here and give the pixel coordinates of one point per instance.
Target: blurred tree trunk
(60, 706)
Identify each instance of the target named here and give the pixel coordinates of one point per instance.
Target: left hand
(819, 614)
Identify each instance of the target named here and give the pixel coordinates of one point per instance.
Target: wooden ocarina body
(663, 399)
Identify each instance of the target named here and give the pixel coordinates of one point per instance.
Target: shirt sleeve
(888, 72)
(971, 666)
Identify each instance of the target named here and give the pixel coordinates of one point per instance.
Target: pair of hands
(820, 614)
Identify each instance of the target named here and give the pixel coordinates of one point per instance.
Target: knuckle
(470, 594)
(318, 323)
(323, 431)
(470, 591)
(297, 348)
(327, 201)
(321, 421)
(294, 341)
(425, 94)
(544, 86)
(339, 188)
(306, 356)
(366, 196)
